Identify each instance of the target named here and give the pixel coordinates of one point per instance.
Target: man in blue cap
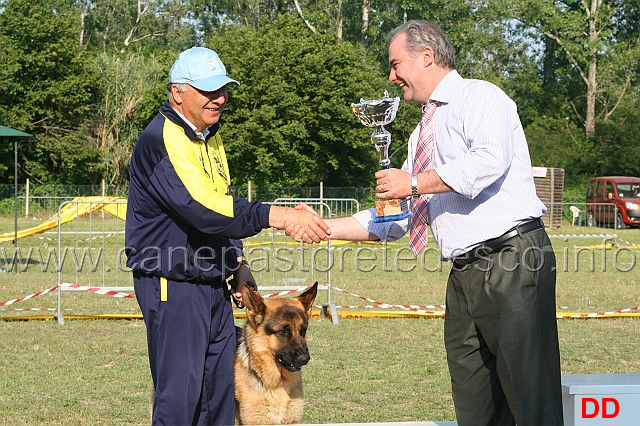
(183, 234)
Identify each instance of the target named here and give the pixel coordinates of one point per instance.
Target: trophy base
(391, 210)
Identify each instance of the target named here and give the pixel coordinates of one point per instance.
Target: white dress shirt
(480, 151)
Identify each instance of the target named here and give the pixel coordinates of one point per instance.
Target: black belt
(496, 244)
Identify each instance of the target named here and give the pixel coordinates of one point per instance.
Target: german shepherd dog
(271, 351)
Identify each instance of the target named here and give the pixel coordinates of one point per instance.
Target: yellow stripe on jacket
(163, 289)
(202, 168)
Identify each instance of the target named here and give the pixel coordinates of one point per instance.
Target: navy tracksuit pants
(191, 341)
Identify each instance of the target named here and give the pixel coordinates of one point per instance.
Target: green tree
(216, 14)
(290, 123)
(127, 26)
(128, 86)
(618, 148)
(132, 43)
(600, 46)
(48, 89)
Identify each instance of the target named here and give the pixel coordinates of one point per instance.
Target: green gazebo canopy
(9, 132)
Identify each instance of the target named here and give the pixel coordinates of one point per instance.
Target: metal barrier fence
(336, 207)
(582, 220)
(97, 248)
(96, 238)
(40, 207)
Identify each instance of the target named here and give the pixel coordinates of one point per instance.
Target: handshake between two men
(302, 223)
(310, 228)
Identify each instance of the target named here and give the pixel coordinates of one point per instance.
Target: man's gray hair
(422, 34)
(182, 87)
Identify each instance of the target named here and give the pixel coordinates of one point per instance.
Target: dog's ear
(308, 297)
(254, 303)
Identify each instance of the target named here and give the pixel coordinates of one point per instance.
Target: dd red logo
(591, 408)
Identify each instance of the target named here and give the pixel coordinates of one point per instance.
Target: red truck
(613, 200)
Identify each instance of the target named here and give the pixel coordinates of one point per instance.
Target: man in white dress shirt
(500, 326)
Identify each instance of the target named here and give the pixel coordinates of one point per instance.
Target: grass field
(364, 369)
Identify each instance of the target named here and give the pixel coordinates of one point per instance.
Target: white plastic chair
(576, 214)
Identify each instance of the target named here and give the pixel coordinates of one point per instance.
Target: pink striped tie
(418, 235)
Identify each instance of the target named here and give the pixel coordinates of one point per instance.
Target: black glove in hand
(242, 275)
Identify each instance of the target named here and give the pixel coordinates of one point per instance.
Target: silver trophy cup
(377, 113)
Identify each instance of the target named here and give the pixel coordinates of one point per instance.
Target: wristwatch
(414, 186)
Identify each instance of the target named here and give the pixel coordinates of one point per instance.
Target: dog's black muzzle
(292, 359)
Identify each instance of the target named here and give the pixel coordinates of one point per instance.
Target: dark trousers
(191, 341)
(501, 336)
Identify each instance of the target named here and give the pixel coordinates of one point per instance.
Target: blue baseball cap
(201, 68)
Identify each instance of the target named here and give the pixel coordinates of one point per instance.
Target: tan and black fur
(272, 349)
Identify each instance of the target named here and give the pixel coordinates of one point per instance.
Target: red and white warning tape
(78, 287)
(54, 309)
(629, 243)
(27, 309)
(97, 237)
(601, 314)
(284, 293)
(31, 296)
(80, 241)
(98, 290)
(581, 235)
(383, 306)
(413, 308)
(387, 305)
(376, 304)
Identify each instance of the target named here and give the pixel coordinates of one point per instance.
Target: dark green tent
(7, 132)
